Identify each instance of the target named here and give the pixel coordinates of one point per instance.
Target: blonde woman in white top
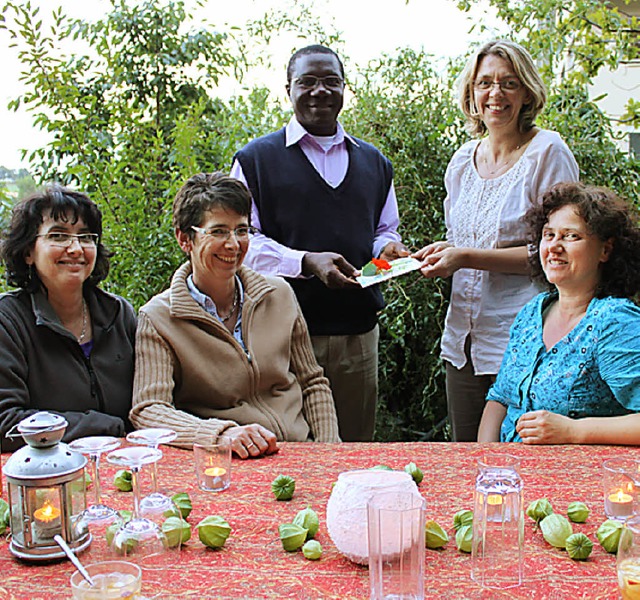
(491, 183)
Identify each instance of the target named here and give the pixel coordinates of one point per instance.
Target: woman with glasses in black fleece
(66, 346)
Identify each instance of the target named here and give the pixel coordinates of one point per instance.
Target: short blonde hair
(524, 68)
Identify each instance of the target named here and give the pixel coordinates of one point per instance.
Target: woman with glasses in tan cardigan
(225, 352)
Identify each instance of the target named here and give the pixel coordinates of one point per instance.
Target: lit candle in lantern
(618, 504)
(214, 478)
(47, 521)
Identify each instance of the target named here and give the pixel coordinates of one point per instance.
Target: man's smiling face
(317, 107)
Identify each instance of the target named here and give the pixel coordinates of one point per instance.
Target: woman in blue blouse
(571, 372)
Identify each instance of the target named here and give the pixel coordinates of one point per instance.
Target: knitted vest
(300, 210)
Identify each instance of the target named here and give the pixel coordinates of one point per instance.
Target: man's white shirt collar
(294, 132)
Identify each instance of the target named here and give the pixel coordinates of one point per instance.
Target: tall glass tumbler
(498, 523)
(396, 522)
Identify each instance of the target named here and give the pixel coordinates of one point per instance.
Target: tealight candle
(46, 521)
(494, 507)
(214, 478)
(213, 465)
(618, 504)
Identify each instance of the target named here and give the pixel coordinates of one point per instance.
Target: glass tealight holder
(213, 465)
(621, 486)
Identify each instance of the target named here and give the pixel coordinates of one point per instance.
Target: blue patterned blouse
(594, 371)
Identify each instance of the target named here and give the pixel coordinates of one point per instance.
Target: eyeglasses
(64, 240)
(506, 85)
(222, 234)
(311, 81)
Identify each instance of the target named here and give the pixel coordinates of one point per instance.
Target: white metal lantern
(47, 494)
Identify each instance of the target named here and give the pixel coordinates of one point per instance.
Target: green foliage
(406, 108)
(589, 134)
(631, 115)
(14, 183)
(131, 120)
(25, 185)
(296, 20)
(134, 110)
(5, 206)
(591, 32)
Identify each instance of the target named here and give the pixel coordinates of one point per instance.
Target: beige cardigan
(193, 376)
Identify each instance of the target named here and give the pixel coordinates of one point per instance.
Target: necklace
(236, 297)
(500, 166)
(84, 322)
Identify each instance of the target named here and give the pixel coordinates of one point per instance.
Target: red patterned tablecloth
(253, 564)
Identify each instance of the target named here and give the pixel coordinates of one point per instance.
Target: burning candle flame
(620, 497)
(215, 471)
(47, 513)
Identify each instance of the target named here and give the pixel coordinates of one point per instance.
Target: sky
(369, 28)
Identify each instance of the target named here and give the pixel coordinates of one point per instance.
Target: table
(253, 564)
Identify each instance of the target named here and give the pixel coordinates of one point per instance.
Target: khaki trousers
(350, 362)
(466, 393)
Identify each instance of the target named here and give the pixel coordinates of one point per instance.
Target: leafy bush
(407, 109)
(136, 116)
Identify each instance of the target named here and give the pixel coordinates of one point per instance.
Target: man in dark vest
(324, 203)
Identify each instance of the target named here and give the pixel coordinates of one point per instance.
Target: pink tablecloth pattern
(253, 564)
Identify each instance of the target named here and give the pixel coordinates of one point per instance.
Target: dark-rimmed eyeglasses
(64, 240)
(310, 82)
(506, 85)
(222, 234)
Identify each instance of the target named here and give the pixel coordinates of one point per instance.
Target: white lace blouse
(487, 213)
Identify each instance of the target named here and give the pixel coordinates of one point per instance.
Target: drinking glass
(114, 579)
(156, 502)
(94, 447)
(395, 532)
(498, 523)
(140, 538)
(628, 559)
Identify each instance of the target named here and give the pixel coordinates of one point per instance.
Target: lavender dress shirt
(329, 156)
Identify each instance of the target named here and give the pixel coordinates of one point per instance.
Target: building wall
(620, 86)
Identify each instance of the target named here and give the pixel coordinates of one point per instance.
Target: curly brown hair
(607, 216)
(19, 238)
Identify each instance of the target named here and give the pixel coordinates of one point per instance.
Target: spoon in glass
(73, 558)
